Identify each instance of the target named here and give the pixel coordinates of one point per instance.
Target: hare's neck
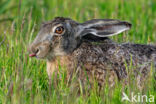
(53, 65)
(96, 39)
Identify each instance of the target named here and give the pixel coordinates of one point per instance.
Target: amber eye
(59, 30)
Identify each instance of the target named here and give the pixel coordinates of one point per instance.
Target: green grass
(24, 80)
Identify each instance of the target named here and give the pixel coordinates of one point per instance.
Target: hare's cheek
(56, 40)
(44, 51)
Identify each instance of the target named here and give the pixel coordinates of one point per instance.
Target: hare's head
(62, 36)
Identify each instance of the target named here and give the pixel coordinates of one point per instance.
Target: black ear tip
(129, 25)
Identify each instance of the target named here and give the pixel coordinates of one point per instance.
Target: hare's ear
(103, 27)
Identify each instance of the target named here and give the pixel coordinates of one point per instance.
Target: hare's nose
(34, 51)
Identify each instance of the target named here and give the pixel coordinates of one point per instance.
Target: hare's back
(113, 59)
(111, 52)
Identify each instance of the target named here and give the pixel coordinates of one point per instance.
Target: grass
(24, 80)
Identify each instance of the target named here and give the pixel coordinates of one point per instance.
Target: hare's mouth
(35, 55)
(32, 55)
(39, 55)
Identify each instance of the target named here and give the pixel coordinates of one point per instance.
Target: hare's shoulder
(94, 52)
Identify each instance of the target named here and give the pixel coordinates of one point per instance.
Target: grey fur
(76, 49)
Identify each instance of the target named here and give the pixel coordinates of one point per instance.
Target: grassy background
(24, 80)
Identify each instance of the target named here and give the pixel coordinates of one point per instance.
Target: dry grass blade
(2, 41)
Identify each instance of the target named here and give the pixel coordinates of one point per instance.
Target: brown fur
(105, 62)
(85, 49)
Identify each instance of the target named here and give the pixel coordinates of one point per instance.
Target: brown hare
(86, 49)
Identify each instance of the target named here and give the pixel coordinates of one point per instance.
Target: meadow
(24, 80)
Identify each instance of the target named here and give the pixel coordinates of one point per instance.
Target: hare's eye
(59, 30)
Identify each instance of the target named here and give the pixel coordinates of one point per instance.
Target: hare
(86, 49)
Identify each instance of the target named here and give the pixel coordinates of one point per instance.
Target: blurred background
(26, 14)
(24, 80)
